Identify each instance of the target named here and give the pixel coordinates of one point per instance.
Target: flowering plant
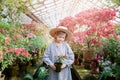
(90, 26)
(59, 62)
(61, 58)
(13, 45)
(20, 53)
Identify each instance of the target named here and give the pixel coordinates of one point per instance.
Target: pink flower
(10, 50)
(7, 40)
(2, 30)
(118, 37)
(1, 54)
(25, 53)
(17, 36)
(31, 35)
(94, 41)
(22, 49)
(17, 51)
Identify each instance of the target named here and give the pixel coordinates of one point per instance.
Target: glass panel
(51, 11)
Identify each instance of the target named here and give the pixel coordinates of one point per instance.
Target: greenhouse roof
(51, 11)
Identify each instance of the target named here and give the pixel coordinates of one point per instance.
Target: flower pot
(12, 71)
(58, 66)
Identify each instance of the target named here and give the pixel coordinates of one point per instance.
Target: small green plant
(59, 62)
(40, 74)
(61, 58)
(105, 74)
(36, 43)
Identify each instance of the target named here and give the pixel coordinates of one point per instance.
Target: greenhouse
(59, 39)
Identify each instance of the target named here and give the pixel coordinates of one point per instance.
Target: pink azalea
(118, 37)
(17, 36)
(17, 51)
(98, 22)
(94, 41)
(25, 53)
(1, 54)
(7, 40)
(10, 50)
(31, 35)
(68, 22)
(98, 59)
(22, 49)
(2, 30)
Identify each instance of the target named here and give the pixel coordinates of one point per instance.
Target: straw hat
(63, 29)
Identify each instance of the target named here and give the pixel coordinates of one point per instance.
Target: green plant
(77, 48)
(113, 73)
(5, 61)
(105, 74)
(11, 10)
(59, 62)
(4, 25)
(111, 48)
(36, 43)
(40, 74)
(111, 53)
(118, 29)
(61, 58)
(116, 2)
(116, 71)
(117, 59)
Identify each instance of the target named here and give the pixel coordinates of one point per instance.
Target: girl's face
(60, 38)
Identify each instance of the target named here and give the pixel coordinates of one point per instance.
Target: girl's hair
(60, 33)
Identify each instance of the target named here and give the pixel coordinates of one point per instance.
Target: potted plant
(59, 62)
(36, 43)
(1, 67)
(111, 53)
(6, 60)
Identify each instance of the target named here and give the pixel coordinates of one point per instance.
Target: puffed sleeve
(46, 56)
(68, 61)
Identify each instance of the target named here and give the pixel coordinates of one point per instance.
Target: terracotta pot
(11, 71)
(58, 66)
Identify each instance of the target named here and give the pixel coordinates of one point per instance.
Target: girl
(57, 48)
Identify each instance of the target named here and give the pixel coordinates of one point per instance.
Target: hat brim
(53, 32)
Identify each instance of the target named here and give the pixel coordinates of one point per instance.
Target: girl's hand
(53, 67)
(63, 66)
